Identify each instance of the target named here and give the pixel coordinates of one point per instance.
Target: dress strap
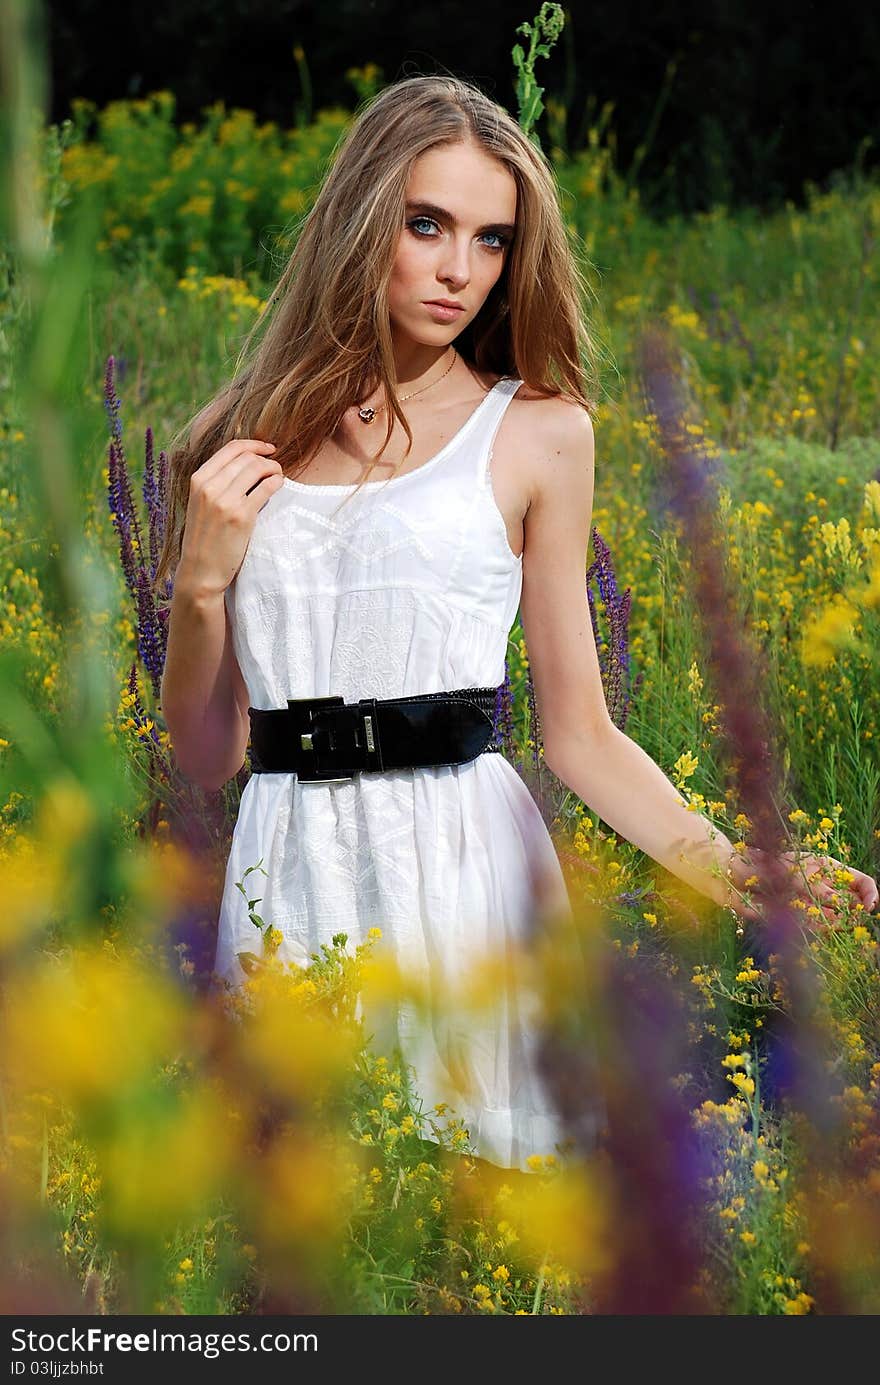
(502, 393)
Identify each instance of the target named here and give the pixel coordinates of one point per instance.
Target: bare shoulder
(556, 435)
(558, 414)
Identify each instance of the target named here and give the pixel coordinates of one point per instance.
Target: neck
(416, 364)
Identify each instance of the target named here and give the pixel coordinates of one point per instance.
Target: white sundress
(411, 587)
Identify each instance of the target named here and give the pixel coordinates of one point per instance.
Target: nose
(455, 268)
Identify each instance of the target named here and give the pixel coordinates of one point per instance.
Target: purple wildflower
(138, 712)
(138, 561)
(739, 678)
(534, 722)
(614, 659)
(151, 501)
(632, 899)
(502, 724)
(112, 402)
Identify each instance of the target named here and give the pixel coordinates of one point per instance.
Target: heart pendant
(366, 415)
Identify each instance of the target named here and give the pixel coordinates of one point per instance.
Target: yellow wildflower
(685, 766)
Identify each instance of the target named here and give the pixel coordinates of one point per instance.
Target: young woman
(404, 462)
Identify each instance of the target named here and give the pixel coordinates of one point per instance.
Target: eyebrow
(441, 214)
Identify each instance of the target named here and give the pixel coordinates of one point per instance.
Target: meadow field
(166, 1148)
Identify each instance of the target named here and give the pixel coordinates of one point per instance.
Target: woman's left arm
(601, 764)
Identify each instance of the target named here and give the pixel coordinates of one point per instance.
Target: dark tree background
(764, 96)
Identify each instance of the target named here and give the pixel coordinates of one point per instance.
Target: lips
(444, 303)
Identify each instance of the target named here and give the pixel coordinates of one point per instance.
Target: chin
(436, 334)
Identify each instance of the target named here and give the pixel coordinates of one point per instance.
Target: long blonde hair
(324, 337)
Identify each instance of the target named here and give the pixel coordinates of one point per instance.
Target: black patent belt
(322, 739)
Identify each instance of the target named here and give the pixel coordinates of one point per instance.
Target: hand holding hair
(226, 493)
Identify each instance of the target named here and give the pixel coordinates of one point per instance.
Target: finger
(243, 475)
(264, 486)
(228, 453)
(816, 867)
(816, 893)
(859, 885)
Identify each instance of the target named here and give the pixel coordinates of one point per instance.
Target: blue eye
(503, 241)
(417, 219)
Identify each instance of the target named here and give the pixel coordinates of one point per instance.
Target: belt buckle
(332, 733)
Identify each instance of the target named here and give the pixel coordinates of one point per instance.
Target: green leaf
(250, 963)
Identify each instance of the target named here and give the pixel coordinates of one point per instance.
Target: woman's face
(459, 220)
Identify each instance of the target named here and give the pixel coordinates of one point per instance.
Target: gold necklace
(366, 413)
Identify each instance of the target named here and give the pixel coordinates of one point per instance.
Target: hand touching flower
(817, 880)
(821, 878)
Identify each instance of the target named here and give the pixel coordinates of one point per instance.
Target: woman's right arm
(203, 695)
(202, 705)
